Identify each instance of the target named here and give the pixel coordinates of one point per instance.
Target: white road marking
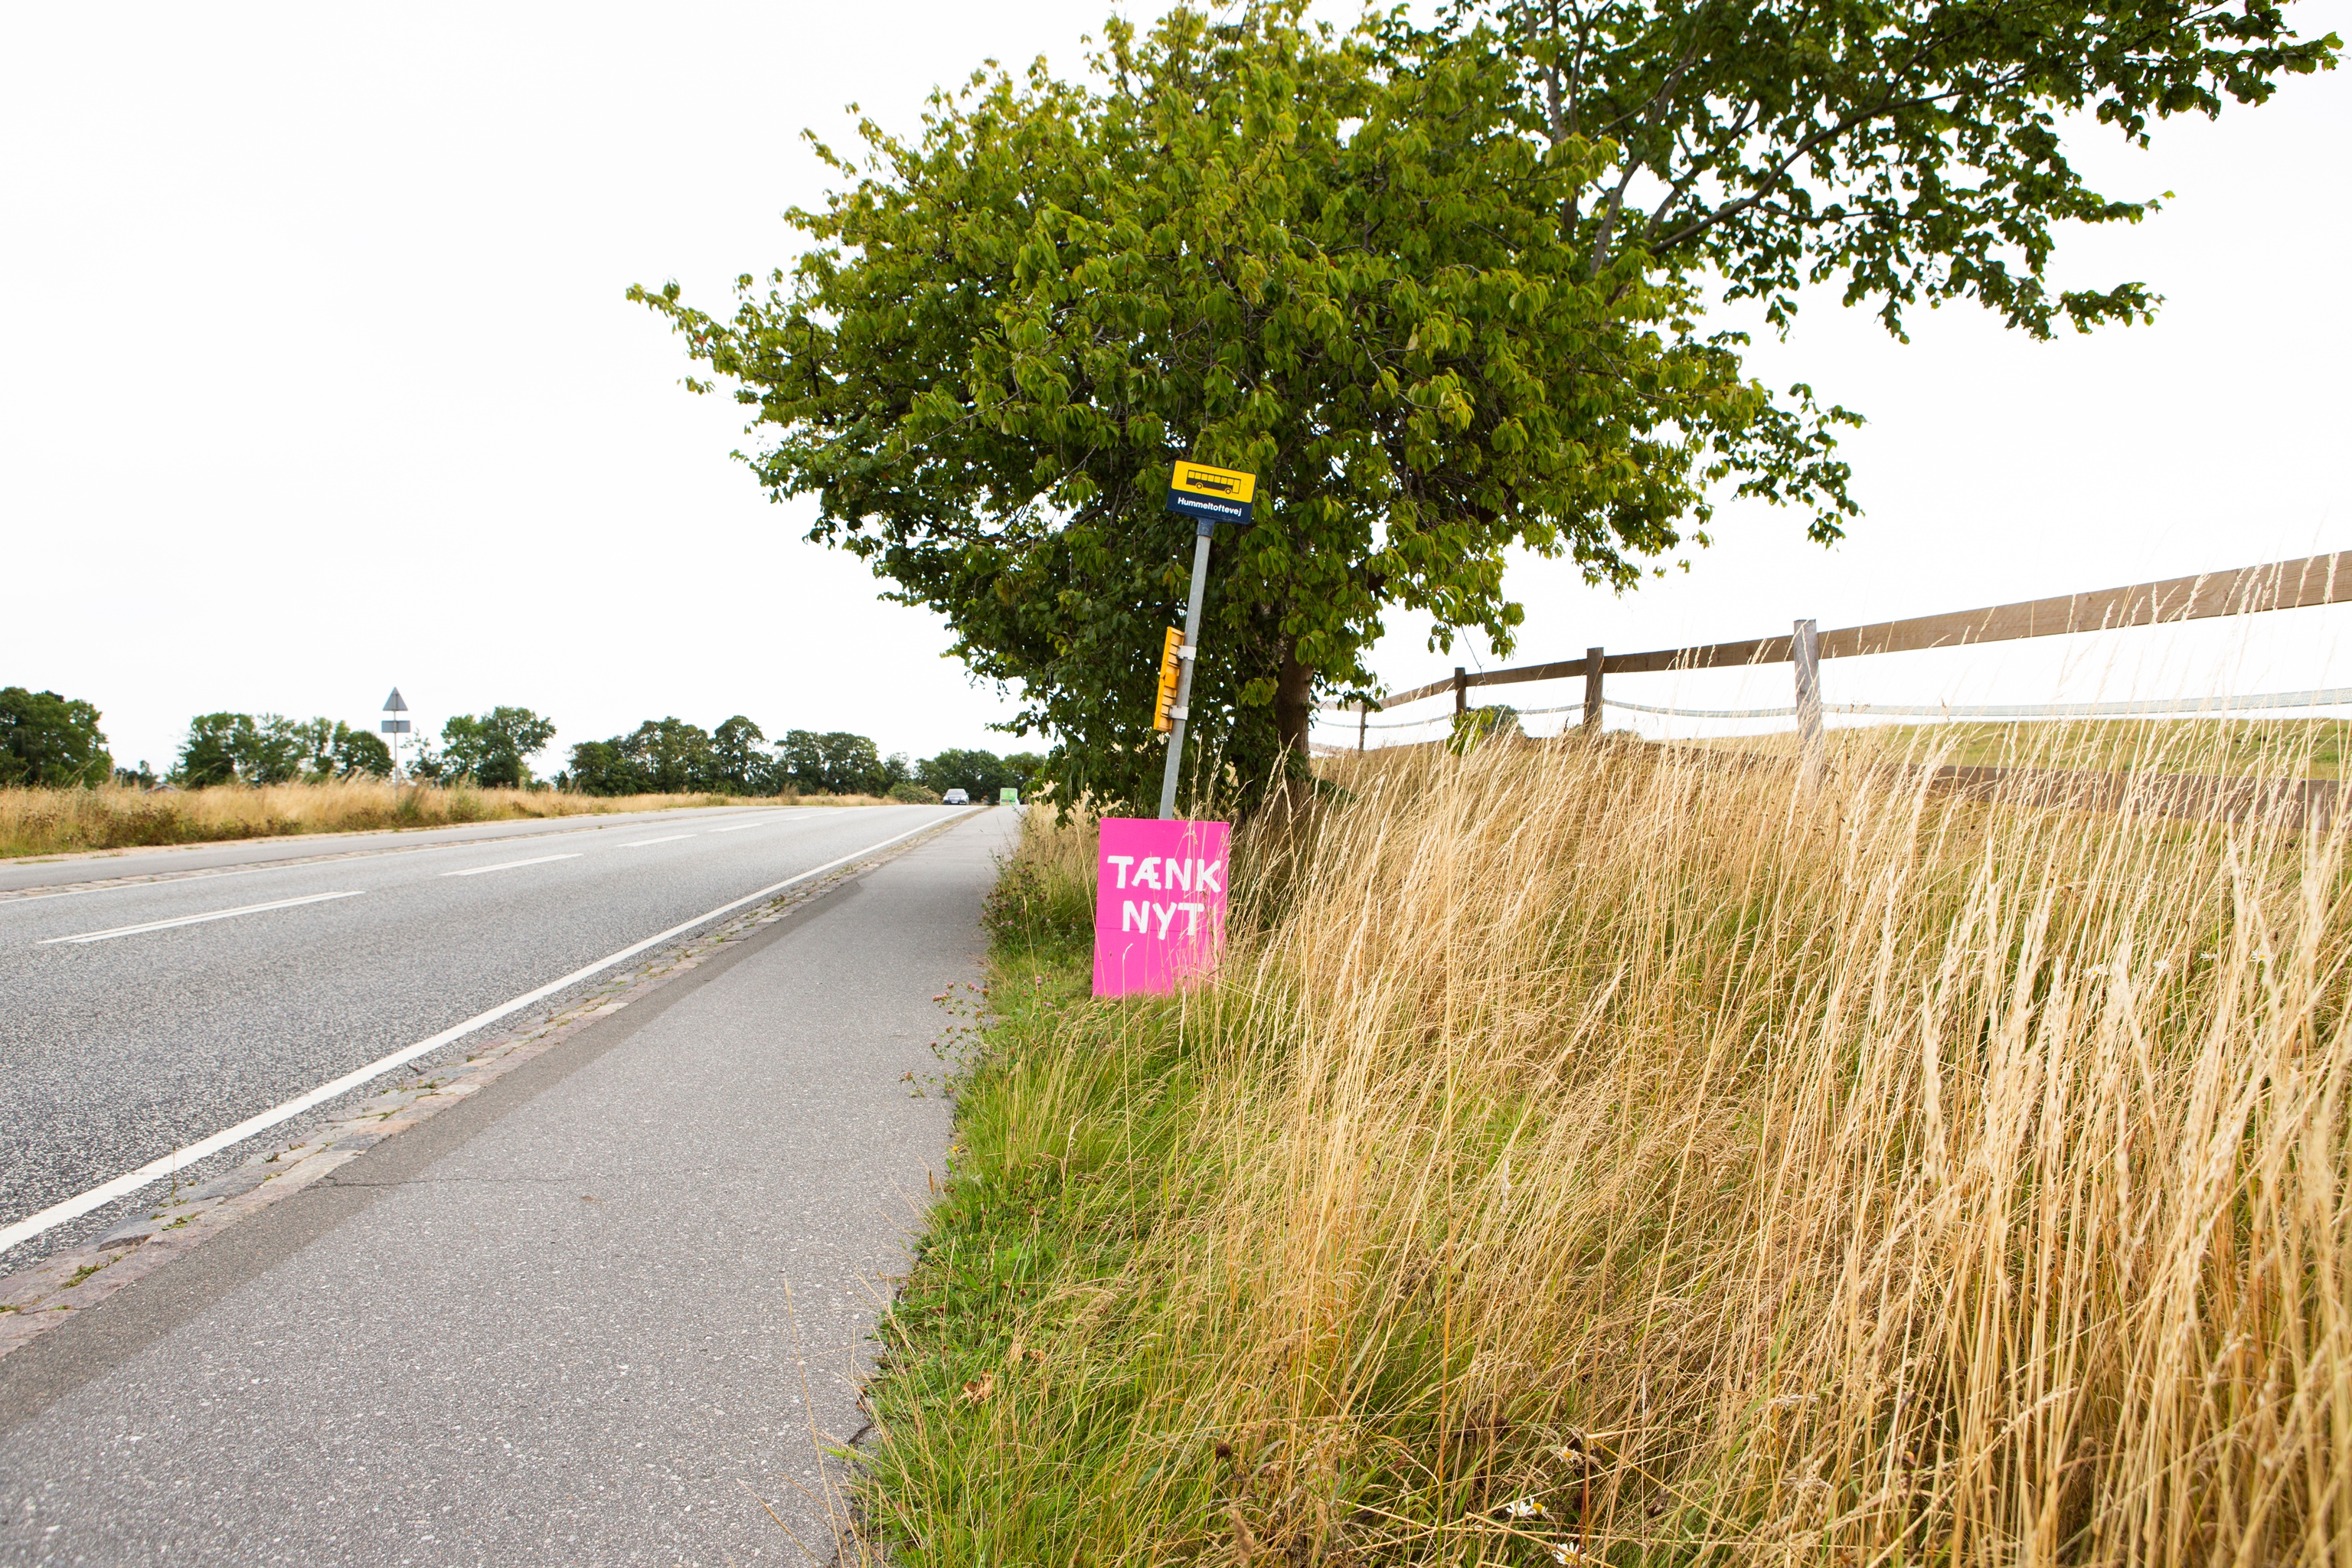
(155, 1171)
(641, 843)
(296, 863)
(196, 920)
(742, 826)
(509, 865)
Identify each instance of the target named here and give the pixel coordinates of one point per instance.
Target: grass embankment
(1589, 1154)
(64, 821)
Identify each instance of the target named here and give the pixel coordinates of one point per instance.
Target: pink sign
(1159, 902)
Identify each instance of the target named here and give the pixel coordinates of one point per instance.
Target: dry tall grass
(2259, 746)
(62, 821)
(1591, 1154)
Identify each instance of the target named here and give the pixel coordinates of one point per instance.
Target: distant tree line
(492, 749)
(54, 741)
(983, 773)
(272, 749)
(670, 756)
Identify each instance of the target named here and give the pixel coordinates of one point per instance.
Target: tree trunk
(1294, 707)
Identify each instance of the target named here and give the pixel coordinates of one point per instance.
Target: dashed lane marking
(196, 920)
(510, 865)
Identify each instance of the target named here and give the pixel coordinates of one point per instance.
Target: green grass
(997, 1444)
(1044, 1396)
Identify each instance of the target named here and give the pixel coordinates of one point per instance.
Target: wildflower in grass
(1522, 1508)
(1567, 1552)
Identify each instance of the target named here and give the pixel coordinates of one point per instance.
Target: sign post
(395, 727)
(1159, 885)
(1207, 496)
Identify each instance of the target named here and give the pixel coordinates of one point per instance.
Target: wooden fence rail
(2297, 584)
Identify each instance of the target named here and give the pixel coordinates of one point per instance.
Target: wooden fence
(2278, 586)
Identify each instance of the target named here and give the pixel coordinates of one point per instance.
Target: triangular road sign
(393, 704)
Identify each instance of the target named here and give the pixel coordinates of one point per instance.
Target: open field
(1589, 1154)
(63, 821)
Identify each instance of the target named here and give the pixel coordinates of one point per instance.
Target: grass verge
(1591, 1155)
(70, 821)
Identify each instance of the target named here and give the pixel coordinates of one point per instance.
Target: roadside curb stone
(37, 1299)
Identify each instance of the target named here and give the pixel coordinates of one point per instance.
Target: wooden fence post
(1460, 689)
(1805, 652)
(1593, 667)
(1363, 717)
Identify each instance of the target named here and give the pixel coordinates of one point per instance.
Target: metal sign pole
(1209, 496)
(396, 726)
(1187, 656)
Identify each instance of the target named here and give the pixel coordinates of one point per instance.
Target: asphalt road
(117, 1049)
(47, 871)
(610, 1310)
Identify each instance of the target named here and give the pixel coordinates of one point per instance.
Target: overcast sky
(316, 377)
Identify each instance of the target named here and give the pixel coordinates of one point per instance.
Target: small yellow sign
(1224, 484)
(1168, 664)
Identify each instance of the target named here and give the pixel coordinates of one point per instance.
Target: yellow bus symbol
(1225, 484)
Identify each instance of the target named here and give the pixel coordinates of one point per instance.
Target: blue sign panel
(1208, 508)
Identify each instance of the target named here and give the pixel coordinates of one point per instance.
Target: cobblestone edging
(37, 1299)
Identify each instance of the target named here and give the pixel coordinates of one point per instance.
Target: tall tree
(241, 748)
(209, 754)
(604, 767)
(835, 763)
(1397, 273)
(494, 749)
(676, 755)
(1906, 150)
(352, 753)
(334, 750)
(1335, 261)
(50, 741)
(740, 763)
